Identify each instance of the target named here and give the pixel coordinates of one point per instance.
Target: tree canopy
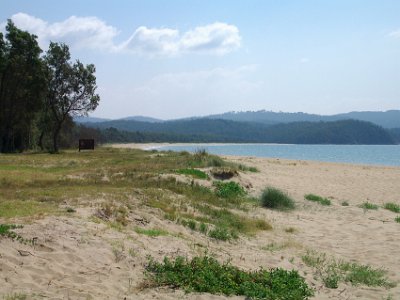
(39, 95)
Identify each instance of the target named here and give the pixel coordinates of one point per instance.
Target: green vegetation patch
(392, 207)
(368, 205)
(332, 272)
(276, 199)
(151, 232)
(229, 189)
(318, 199)
(193, 172)
(17, 208)
(207, 275)
(6, 230)
(397, 219)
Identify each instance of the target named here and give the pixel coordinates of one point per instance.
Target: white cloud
(152, 41)
(217, 38)
(93, 33)
(79, 32)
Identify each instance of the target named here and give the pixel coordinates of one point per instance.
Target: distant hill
(89, 120)
(217, 130)
(142, 119)
(387, 119)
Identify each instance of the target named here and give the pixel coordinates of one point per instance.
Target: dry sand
(76, 258)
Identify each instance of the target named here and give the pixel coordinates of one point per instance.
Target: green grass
(392, 207)
(207, 275)
(15, 296)
(193, 172)
(368, 206)
(397, 219)
(332, 272)
(36, 185)
(151, 232)
(345, 203)
(229, 189)
(276, 199)
(318, 199)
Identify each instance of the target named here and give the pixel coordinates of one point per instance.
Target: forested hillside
(210, 130)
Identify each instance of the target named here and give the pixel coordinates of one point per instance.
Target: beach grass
(332, 271)
(318, 199)
(276, 199)
(392, 207)
(35, 185)
(368, 206)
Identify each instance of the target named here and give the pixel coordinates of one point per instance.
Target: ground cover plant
(229, 189)
(397, 219)
(318, 199)
(276, 199)
(332, 271)
(367, 205)
(206, 274)
(392, 207)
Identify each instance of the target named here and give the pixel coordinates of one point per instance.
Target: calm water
(355, 154)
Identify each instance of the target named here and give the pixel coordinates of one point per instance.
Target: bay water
(386, 155)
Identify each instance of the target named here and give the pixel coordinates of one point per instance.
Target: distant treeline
(226, 131)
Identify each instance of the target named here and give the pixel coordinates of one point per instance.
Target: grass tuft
(318, 199)
(392, 207)
(397, 219)
(207, 275)
(368, 205)
(276, 199)
(193, 172)
(332, 272)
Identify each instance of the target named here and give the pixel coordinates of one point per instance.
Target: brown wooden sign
(86, 144)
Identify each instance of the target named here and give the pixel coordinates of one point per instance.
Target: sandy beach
(77, 258)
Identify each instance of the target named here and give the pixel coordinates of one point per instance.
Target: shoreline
(157, 146)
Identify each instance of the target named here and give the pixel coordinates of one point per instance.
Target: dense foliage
(40, 95)
(213, 130)
(205, 274)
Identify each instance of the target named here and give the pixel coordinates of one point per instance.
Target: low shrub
(222, 233)
(207, 275)
(229, 189)
(276, 199)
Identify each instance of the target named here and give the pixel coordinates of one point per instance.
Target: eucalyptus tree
(71, 89)
(22, 87)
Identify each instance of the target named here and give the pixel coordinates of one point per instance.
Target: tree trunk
(55, 138)
(40, 143)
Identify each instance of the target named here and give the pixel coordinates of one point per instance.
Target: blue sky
(172, 59)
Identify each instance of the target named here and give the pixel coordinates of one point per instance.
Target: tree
(71, 89)
(22, 84)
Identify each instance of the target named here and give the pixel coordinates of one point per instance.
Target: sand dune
(77, 258)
